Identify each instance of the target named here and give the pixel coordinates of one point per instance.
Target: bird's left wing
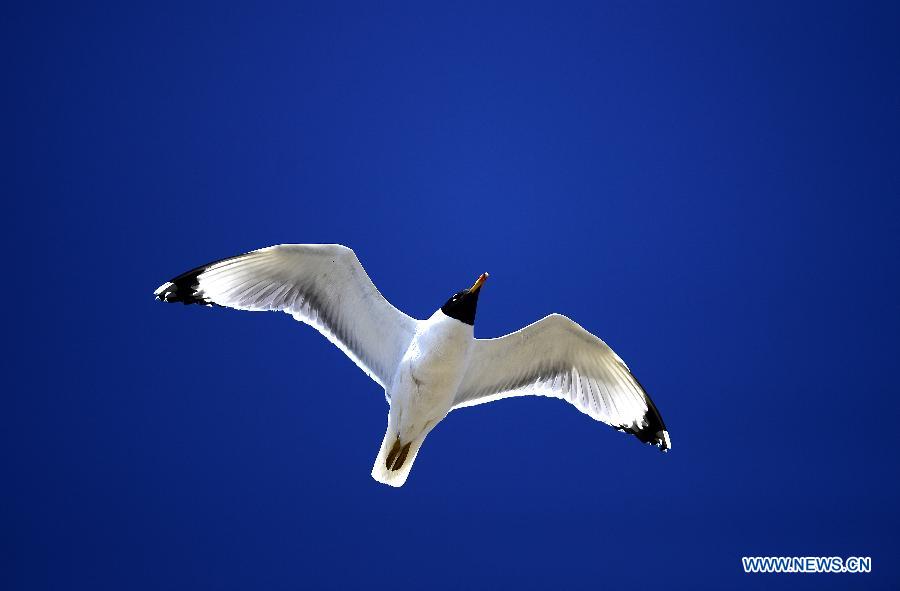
(556, 357)
(323, 285)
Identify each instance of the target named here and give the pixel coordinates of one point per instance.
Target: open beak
(478, 283)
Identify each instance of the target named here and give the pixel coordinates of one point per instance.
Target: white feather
(558, 358)
(323, 285)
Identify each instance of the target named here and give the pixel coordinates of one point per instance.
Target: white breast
(430, 374)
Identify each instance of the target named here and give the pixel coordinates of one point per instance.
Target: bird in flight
(426, 367)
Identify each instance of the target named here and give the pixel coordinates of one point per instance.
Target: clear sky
(713, 188)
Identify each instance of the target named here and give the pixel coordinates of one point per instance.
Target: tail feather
(395, 458)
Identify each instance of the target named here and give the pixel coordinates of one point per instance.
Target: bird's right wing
(323, 285)
(556, 357)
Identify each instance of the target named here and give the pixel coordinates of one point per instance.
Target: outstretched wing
(323, 285)
(557, 357)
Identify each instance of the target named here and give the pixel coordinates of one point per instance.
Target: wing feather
(556, 357)
(323, 285)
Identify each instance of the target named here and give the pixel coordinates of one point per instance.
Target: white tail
(395, 458)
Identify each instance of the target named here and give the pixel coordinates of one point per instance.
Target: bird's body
(430, 373)
(423, 388)
(427, 367)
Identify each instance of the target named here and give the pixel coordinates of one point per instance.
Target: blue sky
(712, 188)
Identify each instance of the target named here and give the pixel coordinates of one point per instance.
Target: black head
(463, 304)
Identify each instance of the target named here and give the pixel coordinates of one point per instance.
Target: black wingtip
(648, 435)
(183, 289)
(652, 429)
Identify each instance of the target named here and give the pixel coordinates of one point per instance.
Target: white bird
(426, 367)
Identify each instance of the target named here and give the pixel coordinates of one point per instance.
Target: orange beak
(479, 282)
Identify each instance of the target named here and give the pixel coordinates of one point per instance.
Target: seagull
(426, 367)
